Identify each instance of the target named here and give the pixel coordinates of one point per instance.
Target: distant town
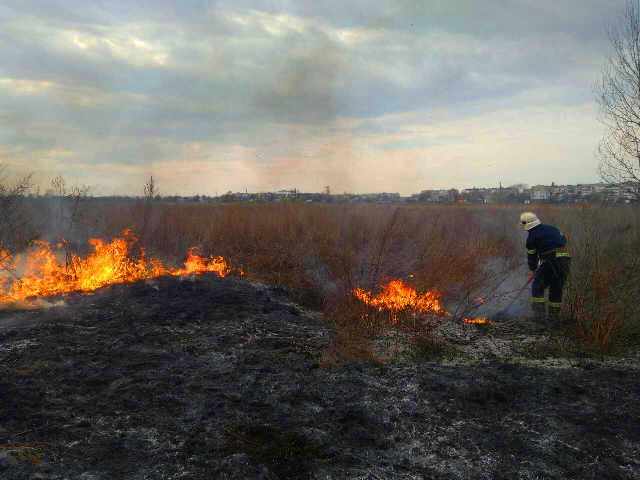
(522, 194)
(515, 194)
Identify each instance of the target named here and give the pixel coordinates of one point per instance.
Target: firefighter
(549, 264)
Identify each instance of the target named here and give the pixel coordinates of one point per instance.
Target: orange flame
(477, 321)
(195, 265)
(396, 296)
(43, 274)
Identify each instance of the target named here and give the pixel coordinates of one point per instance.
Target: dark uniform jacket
(544, 241)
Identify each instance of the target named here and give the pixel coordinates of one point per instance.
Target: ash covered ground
(219, 378)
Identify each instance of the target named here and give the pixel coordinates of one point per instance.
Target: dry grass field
(321, 253)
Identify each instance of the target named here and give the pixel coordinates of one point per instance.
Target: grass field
(321, 253)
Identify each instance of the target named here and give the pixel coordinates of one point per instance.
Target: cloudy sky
(360, 95)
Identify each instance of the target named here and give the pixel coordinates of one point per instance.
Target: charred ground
(220, 378)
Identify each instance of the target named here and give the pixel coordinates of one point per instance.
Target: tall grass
(604, 287)
(320, 253)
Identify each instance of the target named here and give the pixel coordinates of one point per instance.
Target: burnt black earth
(214, 378)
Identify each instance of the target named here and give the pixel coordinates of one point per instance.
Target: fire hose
(503, 312)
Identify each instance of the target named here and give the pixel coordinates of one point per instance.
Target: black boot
(555, 315)
(539, 311)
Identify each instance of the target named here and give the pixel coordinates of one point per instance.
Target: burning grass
(322, 254)
(397, 314)
(397, 298)
(40, 272)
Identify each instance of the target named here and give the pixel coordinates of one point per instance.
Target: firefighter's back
(546, 239)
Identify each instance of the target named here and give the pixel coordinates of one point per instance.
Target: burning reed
(40, 272)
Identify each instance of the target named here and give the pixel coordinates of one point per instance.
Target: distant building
(540, 193)
(589, 189)
(520, 187)
(286, 193)
(477, 195)
(383, 197)
(514, 194)
(437, 196)
(621, 193)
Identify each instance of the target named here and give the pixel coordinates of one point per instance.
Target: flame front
(43, 274)
(396, 296)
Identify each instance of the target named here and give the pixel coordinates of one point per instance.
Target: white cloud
(260, 95)
(18, 86)
(122, 43)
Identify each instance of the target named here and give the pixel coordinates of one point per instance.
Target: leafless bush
(147, 207)
(620, 103)
(605, 279)
(15, 227)
(355, 332)
(68, 213)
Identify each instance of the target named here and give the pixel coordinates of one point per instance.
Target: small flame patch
(396, 296)
(477, 321)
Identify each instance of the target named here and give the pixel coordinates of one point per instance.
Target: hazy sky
(361, 95)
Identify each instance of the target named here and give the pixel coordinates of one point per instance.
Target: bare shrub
(354, 333)
(620, 104)
(67, 207)
(68, 215)
(605, 280)
(16, 230)
(147, 207)
(597, 317)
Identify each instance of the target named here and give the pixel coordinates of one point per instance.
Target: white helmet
(528, 220)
